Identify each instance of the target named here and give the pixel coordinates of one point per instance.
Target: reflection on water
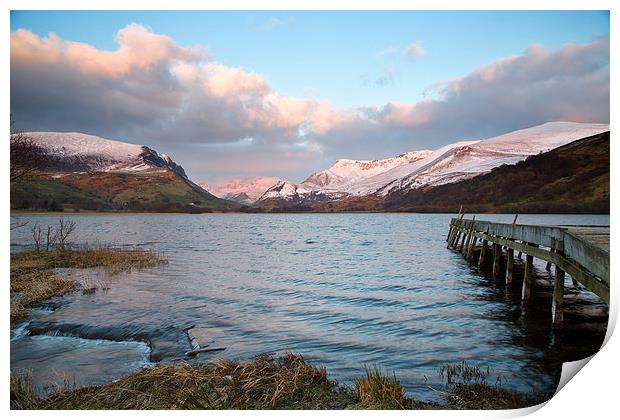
(345, 290)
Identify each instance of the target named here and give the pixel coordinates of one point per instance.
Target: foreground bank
(267, 382)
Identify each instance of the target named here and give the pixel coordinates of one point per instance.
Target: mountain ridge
(87, 172)
(448, 164)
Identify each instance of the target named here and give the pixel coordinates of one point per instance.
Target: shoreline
(268, 381)
(93, 212)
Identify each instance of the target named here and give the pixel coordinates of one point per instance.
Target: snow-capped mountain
(81, 171)
(340, 179)
(468, 160)
(451, 163)
(346, 172)
(78, 152)
(244, 191)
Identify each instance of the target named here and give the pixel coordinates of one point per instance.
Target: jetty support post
(470, 235)
(483, 252)
(457, 232)
(465, 234)
(528, 277)
(472, 245)
(510, 265)
(497, 253)
(558, 297)
(548, 266)
(450, 233)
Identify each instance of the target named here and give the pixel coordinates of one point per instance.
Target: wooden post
(458, 228)
(497, 252)
(450, 232)
(465, 234)
(528, 278)
(456, 238)
(483, 252)
(510, 266)
(558, 298)
(472, 245)
(470, 234)
(548, 266)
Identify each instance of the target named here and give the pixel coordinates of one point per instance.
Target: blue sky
(339, 56)
(287, 93)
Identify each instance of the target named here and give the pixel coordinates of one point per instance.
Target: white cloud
(415, 51)
(152, 91)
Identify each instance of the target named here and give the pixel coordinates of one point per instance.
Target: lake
(345, 290)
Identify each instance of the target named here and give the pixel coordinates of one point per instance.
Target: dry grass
(33, 279)
(483, 397)
(266, 382)
(263, 383)
(378, 391)
(468, 389)
(23, 393)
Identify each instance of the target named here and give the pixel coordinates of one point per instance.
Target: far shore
(112, 212)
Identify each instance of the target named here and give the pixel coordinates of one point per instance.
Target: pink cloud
(151, 90)
(415, 50)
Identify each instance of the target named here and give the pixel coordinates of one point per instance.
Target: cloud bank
(220, 120)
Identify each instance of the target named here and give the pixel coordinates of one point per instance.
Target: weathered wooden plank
(576, 272)
(547, 236)
(595, 259)
(574, 250)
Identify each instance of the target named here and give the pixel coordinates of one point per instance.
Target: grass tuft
(376, 390)
(468, 388)
(24, 395)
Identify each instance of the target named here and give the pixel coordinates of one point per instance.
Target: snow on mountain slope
(78, 152)
(451, 163)
(346, 171)
(468, 160)
(244, 190)
(372, 184)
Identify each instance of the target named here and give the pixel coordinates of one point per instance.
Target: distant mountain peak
(242, 190)
(416, 169)
(79, 152)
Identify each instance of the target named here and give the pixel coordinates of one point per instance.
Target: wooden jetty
(582, 252)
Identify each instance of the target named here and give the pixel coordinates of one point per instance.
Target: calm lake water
(345, 290)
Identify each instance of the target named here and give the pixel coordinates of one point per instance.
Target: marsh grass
(377, 390)
(33, 276)
(468, 388)
(481, 396)
(262, 383)
(265, 382)
(464, 372)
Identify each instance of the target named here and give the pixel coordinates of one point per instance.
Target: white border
(591, 395)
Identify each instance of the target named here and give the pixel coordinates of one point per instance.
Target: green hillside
(162, 191)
